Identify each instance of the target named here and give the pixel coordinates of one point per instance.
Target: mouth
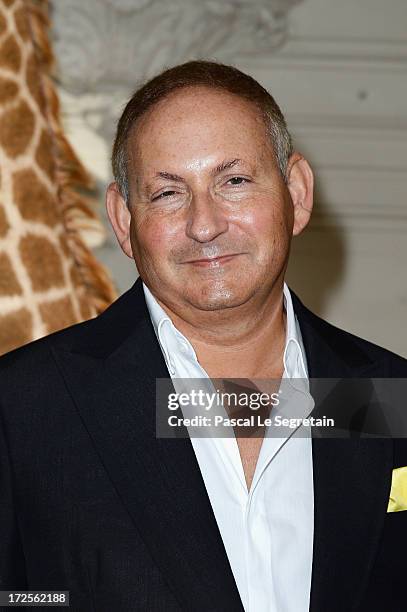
(213, 262)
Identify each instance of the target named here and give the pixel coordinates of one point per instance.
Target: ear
(300, 184)
(119, 217)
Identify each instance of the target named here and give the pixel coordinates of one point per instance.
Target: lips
(212, 261)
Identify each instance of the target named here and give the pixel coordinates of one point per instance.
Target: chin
(218, 298)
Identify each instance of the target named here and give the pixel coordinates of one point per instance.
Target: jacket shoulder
(375, 351)
(33, 353)
(352, 348)
(98, 334)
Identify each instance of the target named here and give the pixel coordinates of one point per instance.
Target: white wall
(341, 80)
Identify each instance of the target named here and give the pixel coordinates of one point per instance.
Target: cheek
(266, 221)
(154, 236)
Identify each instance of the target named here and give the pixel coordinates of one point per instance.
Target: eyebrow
(225, 165)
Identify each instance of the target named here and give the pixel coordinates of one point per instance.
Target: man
(207, 196)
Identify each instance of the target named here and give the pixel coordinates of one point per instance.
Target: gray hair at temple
(198, 73)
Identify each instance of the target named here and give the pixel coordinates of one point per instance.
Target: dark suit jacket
(93, 503)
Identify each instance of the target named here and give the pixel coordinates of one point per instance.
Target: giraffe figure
(49, 278)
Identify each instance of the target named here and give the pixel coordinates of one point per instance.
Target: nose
(206, 220)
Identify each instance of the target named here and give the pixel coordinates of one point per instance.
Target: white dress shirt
(267, 531)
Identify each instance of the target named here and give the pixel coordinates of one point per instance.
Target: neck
(243, 342)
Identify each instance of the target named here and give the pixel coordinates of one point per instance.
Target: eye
(163, 195)
(236, 181)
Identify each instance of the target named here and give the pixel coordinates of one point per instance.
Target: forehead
(197, 121)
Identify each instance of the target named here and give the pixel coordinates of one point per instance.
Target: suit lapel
(352, 480)
(111, 373)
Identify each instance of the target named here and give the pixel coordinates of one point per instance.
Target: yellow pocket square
(398, 493)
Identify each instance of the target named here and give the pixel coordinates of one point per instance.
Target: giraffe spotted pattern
(40, 288)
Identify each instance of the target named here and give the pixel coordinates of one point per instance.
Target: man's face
(211, 217)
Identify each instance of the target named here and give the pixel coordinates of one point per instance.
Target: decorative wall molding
(105, 47)
(102, 43)
(359, 218)
(381, 126)
(342, 49)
